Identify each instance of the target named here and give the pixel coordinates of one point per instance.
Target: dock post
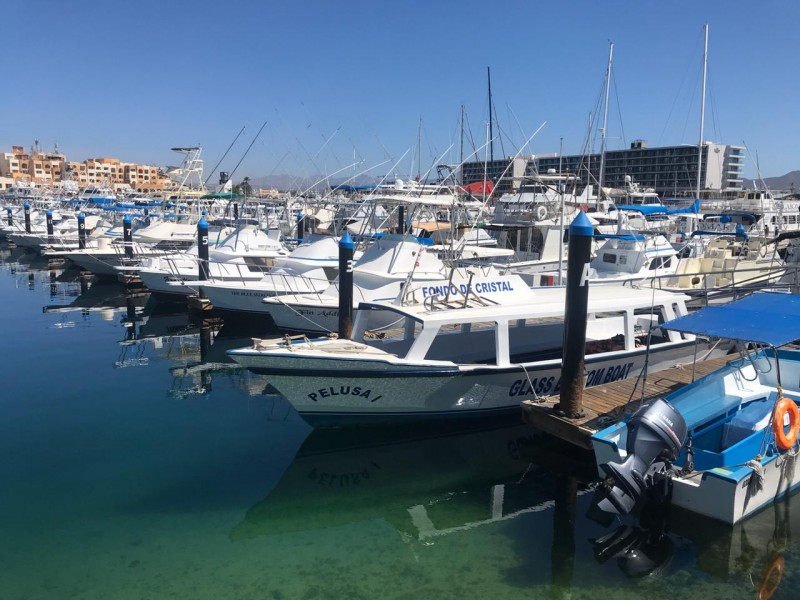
(202, 249)
(401, 219)
(301, 226)
(81, 231)
(572, 365)
(562, 553)
(235, 211)
(49, 219)
(27, 208)
(346, 247)
(127, 236)
(9, 216)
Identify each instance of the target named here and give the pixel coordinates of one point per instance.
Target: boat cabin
(466, 325)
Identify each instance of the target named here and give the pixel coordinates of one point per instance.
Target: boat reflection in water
(195, 349)
(753, 553)
(425, 481)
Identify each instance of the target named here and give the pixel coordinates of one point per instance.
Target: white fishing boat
(387, 266)
(725, 445)
(627, 258)
(309, 268)
(242, 254)
(727, 266)
(465, 350)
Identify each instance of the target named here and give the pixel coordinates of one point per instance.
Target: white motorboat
(728, 266)
(465, 350)
(243, 254)
(387, 266)
(309, 268)
(726, 444)
(626, 258)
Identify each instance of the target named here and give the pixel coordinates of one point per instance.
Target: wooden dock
(605, 404)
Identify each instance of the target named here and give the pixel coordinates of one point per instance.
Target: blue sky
(338, 83)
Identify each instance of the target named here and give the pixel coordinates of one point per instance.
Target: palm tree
(244, 188)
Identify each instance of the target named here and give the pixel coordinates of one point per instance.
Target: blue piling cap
(126, 218)
(26, 205)
(49, 213)
(202, 223)
(8, 209)
(346, 242)
(203, 212)
(81, 215)
(299, 216)
(740, 232)
(581, 226)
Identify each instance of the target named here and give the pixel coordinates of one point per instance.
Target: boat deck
(605, 404)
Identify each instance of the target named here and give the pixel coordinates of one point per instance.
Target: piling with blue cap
(127, 235)
(27, 208)
(9, 215)
(235, 211)
(401, 219)
(49, 219)
(202, 249)
(576, 305)
(81, 231)
(346, 248)
(301, 225)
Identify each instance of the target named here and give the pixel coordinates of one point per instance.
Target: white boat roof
(549, 302)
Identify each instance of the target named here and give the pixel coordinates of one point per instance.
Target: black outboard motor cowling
(656, 434)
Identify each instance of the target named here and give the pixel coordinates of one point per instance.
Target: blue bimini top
(765, 318)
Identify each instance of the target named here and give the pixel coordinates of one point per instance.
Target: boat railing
(296, 283)
(728, 282)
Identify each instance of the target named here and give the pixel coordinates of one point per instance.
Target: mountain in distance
(785, 182)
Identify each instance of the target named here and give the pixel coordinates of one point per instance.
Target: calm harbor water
(137, 462)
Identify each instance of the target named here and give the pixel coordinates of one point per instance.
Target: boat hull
(248, 298)
(387, 391)
(730, 495)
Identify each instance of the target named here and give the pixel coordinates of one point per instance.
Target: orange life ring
(784, 407)
(771, 578)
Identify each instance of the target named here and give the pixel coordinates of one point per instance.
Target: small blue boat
(724, 446)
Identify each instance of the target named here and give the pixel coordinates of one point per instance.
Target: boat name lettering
(546, 385)
(526, 387)
(343, 390)
(607, 374)
(259, 294)
(481, 287)
(343, 480)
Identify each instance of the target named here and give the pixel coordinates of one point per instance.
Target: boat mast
(460, 179)
(605, 121)
(491, 137)
(702, 107)
(561, 213)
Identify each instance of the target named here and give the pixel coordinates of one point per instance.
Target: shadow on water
(426, 481)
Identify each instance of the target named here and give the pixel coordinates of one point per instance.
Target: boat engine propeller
(656, 434)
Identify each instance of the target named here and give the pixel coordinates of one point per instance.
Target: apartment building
(43, 168)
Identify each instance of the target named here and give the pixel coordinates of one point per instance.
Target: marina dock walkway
(605, 404)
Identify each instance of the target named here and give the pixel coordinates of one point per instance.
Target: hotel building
(669, 170)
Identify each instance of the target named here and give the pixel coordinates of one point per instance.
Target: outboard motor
(639, 552)
(656, 433)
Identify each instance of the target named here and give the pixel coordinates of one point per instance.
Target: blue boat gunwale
(732, 459)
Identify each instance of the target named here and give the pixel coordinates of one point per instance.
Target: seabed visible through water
(138, 462)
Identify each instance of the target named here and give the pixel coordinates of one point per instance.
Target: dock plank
(605, 404)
